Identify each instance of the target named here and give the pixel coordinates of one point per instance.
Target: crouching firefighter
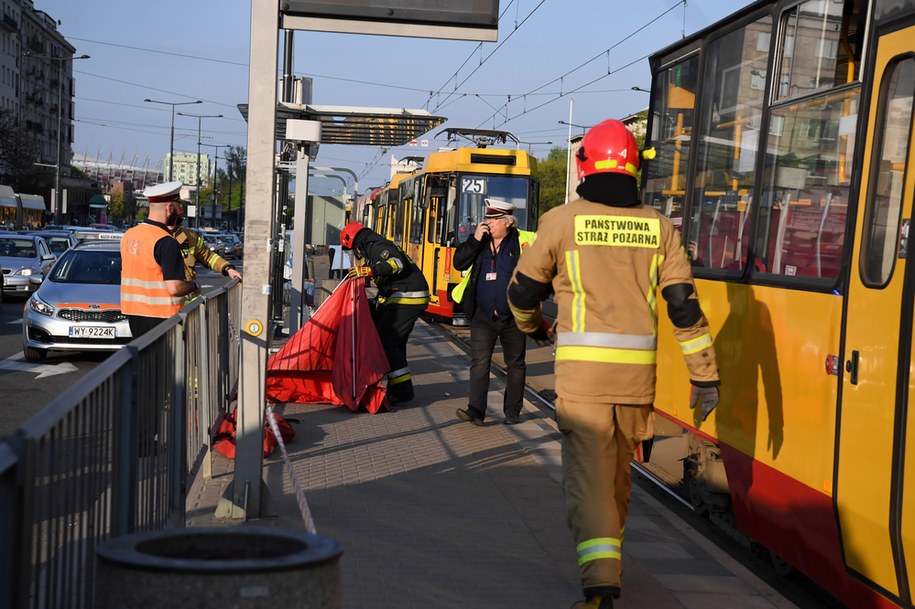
(605, 256)
(403, 295)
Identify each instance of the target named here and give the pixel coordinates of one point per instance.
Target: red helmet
(348, 234)
(608, 147)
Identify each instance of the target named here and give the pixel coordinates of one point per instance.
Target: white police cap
(163, 193)
(496, 208)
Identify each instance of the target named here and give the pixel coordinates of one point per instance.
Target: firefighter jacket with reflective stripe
(606, 266)
(194, 249)
(142, 281)
(398, 279)
(468, 253)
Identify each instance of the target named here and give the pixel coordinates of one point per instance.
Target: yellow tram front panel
(443, 173)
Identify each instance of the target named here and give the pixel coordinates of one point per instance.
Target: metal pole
(199, 118)
(171, 141)
(197, 194)
(60, 97)
(171, 148)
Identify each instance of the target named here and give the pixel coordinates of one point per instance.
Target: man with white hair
(489, 256)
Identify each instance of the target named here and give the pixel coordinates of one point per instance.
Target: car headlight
(24, 272)
(40, 306)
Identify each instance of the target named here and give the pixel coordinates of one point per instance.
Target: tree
(551, 172)
(18, 154)
(117, 205)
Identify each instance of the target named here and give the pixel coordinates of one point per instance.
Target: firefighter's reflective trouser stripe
(398, 376)
(395, 323)
(406, 298)
(598, 442)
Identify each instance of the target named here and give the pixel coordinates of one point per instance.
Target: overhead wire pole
(215, 163)
(171, 140)
(199, 118)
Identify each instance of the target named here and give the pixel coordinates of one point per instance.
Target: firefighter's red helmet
(608, 147)
(348, 234)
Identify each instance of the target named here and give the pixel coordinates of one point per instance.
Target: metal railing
(115, 454)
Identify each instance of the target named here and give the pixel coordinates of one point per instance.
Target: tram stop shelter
(307, 126)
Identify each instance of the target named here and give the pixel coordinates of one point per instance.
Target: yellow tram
(784, 139)
(429, 211)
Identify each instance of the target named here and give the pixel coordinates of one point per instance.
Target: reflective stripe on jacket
(606, 266)
(194, 249)
(525, 238)
(142, 281)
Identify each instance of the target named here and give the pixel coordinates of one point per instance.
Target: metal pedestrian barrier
(115, 454)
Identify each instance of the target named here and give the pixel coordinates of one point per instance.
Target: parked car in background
(78, 307)
(233, 245)
(214, 243)
(58, 240)
(24, 259)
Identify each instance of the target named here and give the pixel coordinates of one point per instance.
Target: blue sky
(176, 51)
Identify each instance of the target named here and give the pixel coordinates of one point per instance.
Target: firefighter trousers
(394, 324)
(598, 442)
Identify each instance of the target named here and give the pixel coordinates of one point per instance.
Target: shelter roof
(356, 125)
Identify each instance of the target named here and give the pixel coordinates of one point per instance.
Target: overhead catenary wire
(494, 51)
(579, 67)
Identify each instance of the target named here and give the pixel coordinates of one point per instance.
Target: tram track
(671, 491)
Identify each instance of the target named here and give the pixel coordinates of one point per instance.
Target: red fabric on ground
(335, 358)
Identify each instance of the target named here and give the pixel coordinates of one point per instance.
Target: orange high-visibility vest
(142, 281)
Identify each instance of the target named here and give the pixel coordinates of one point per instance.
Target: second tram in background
(429, 211)
(784, 138)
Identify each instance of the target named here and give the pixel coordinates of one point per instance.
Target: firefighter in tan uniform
(606, 256)
(194, 249)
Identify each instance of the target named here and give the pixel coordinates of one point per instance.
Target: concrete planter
(255, 568)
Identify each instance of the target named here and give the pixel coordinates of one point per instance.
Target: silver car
(78, 307)
(24, 259)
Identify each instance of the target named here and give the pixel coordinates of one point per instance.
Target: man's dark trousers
(483, 334)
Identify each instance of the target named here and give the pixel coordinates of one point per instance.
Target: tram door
(875, 467)
(435, 190)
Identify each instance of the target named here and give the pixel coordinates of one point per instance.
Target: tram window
(720, 217)
(446, 218)
(664, 177)
(805, 199)
(474, 191)
(820, 47)
(885, 191)
(436, 191)
(417, 210)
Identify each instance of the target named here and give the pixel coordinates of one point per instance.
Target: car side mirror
(49, 257)
(36, 279)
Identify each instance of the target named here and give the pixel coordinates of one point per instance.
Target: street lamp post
(60, 96)
(199, 118)
(171, 142)
(215, 163)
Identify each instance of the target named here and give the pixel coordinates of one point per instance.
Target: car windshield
(17, 248)
(87, 266)
(58, 245)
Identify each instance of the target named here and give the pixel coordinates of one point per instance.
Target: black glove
(541, 335)
(707, 396)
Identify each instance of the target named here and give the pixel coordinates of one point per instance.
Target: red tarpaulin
(336, 358)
